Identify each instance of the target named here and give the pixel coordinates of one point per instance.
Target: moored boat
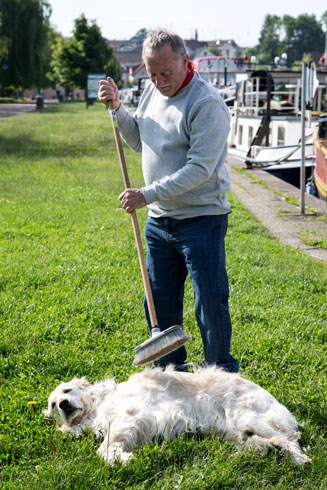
(266, 122)
(320, 171)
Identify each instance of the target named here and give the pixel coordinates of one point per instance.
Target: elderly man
(181, 126)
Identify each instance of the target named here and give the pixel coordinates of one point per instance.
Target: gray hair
(157, 39)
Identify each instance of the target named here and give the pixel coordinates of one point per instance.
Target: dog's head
(65, 403)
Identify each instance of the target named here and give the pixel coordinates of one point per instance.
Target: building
(128, 53)
(229, 49)
(129, 56)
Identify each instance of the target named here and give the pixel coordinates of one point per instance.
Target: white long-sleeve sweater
(183, 140)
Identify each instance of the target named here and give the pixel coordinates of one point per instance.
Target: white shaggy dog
(166, 403)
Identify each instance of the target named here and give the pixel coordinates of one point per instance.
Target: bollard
(39, 102)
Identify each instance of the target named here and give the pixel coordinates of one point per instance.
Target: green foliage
(142, 33)
(323, 20)
(24, 31)
(71, 303)
(269, 41)
(303, 34)
(214, 51)
(4, 42)
(86, 52)
(292, 35)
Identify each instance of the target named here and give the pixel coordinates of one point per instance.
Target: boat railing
(252, 98)
(228, 93)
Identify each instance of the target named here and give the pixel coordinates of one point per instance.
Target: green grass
(71, 305)
(9, 100)
(315, 239)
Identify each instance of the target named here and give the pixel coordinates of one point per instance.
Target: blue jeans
(195, 246)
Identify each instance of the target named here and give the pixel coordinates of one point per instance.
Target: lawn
(71, 304)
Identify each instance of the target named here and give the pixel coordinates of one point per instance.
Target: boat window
(240, 134)
(250, 135)
(281, 136)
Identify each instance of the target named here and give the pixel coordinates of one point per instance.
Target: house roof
(138, 68)
(193, 44)
(128, 53)
(128, 58)
(115, 43)
(227, 42)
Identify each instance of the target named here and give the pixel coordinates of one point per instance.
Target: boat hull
(320, 173)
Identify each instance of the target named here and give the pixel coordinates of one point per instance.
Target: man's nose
(159, 81)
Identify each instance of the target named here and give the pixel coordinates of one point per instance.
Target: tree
(295, 36)
(24, 39)
(303, 34)
(4, 42)
(323, 21)
(269, 41)
(214, 51)
(142, 33)
(86, 52)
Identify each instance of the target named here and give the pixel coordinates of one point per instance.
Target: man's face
(166, 69)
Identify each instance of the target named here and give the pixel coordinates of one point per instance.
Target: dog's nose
(67, 407)
(63, 404)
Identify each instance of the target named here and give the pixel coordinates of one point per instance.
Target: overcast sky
(240, 20)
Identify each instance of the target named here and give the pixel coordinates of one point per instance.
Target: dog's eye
(53, 404)
(67, 390)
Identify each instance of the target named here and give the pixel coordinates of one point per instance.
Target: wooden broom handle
(139, 246)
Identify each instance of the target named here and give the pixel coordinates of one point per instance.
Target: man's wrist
(149, 194)
(113, 107)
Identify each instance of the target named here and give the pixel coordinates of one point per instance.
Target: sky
(240, 20)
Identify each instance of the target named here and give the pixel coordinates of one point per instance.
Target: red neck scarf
(189, 76)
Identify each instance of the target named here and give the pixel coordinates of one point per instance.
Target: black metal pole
(268, 111)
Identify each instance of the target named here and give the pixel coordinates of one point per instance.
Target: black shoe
(181, 367)
(177, 367)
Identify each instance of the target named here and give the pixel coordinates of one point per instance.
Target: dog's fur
(166, 403)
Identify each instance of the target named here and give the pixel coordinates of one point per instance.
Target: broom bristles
(161, 344)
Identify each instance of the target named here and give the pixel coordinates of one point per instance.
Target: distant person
(181, 126)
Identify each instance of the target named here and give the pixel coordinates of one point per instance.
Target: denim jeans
(195, 246)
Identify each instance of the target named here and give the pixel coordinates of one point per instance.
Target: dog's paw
(114, 454)
(47, 414)
(300, 458)
(125, 457)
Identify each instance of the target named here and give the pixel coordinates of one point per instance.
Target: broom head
(160, 344)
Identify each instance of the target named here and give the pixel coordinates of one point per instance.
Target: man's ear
(185, 59)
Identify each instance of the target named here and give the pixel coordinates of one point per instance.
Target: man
(181, 126)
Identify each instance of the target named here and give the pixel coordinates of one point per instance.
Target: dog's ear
(81, 383)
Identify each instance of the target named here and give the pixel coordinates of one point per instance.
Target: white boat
(266, 121)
